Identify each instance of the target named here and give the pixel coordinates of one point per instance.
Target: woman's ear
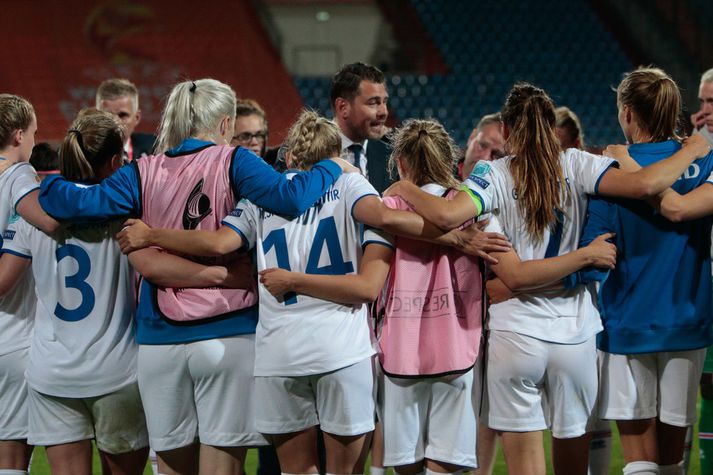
(226, 128)
(116, 162)
(288, 159)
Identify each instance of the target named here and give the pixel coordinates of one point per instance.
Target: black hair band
(80, 141)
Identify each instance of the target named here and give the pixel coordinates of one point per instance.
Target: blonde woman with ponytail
(542, 343)
(312, 364)
(191, 338)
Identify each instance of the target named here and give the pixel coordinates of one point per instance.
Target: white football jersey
(561, 316)
(303, 335)
(83, 345)
(17, 309)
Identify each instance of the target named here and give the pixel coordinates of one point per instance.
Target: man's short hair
(489, 119)
(345, 83)
(707, 76)
(116, 88)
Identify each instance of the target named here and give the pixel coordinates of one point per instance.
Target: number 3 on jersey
(326, 234)
(76, 281)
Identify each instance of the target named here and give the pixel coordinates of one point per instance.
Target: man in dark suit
(121, 98)
(358, 95)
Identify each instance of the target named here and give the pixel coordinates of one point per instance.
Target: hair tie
(193, 87)
(79, 137)
(80, 141)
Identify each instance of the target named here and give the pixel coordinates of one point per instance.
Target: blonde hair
(707, 77)
(312, 138)
(529, 114)
(116, 88)
(93, 139)
(16, 113)
(428, 152)
(569, 122)
(655, 99)
(192, 108)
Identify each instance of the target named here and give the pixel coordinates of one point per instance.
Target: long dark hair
(529, 114)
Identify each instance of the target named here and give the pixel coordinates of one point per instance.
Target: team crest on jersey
(9, 234)
(197, 207)
(481, 169)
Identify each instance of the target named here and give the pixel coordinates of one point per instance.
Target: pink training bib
(433, 309)
(192, 192)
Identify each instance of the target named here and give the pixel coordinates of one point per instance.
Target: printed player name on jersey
(309, 216)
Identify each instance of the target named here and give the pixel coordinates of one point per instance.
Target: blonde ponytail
(194, 108)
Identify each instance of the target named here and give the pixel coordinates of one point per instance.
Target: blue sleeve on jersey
(601, 175)
(246, 243)
(601, 219)
(15, 253)
(260, 183)
(116, 196)
(14, 208)
(381, 243)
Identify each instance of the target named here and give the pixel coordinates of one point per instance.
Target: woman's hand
(134, 236)
(398, 188)
(601, 253)
(277, 281)
(497, 291)
(476, 242)
(345, 166)
(698, 145)
(620, 153)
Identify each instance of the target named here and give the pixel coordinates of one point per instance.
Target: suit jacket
(143, 144)
(377, 164)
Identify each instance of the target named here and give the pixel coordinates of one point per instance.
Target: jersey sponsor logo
(237, 212)
(197, 207)
(481, 169)
(9, 234)
(481, 182)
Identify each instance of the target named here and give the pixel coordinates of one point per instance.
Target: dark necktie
(357, 150)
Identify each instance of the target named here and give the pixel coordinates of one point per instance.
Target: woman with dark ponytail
(542, 345)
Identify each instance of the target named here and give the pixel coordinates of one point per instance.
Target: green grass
(41, 467)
